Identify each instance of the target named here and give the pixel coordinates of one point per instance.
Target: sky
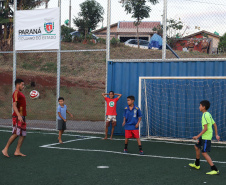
(196, 15)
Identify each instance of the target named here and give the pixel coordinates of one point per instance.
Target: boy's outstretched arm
(119, 95)
(216, 132)
(104, 94)
(201, 133)
(69, 114)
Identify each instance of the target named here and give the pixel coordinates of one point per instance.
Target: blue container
(123, 78)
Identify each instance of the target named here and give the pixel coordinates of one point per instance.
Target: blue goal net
(170, 106)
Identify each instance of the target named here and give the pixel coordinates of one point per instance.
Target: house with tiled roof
(198, 38)
(125, 30)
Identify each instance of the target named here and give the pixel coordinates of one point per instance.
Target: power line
(206, 2)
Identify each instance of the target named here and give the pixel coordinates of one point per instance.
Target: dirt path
(49, 80)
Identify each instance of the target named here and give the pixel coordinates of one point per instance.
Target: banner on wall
(37, 29)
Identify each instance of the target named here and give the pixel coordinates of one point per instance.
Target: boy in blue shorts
(205, 138)
(132, 117)
(62, 110)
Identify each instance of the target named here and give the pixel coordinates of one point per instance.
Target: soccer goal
(170, 105)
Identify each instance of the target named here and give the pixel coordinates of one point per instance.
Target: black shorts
(204, 145)
(61, 125)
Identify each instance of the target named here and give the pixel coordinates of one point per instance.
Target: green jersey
(207, 119)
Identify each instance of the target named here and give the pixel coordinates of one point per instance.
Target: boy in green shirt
(205, 138)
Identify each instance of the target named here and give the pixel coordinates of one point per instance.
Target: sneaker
(213, 172)
(194, 166)
(125, 151)
(141, 152)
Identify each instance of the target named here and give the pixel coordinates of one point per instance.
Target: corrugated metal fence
(123, 78)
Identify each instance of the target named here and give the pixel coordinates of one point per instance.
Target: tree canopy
(139, 10)
(90, 15)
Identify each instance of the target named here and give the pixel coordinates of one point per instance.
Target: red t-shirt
(111, 106)
(21, 103)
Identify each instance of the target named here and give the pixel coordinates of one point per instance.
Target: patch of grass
(84, 104)
(88, 66)
(49, 67)
(28, 66)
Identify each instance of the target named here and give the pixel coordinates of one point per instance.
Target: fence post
(58, 62)
(164, 22)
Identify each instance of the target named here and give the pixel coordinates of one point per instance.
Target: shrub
(65, 33)
(115, 42)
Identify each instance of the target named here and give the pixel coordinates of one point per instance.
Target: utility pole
(70, 14)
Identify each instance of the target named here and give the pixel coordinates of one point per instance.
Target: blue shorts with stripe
(204, 145)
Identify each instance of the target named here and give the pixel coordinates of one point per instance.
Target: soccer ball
(34, 94)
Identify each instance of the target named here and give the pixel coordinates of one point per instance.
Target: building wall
(117, 33)
(215, 41)
(213, 44)
(123, 78)
(103, 33)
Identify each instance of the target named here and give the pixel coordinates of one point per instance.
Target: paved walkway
(86, 126)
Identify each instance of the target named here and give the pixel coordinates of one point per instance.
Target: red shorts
(132, 134)
(19, 128)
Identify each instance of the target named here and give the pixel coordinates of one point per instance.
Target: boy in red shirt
(111, 111)
(19, 124)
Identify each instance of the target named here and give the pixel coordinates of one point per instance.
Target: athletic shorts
(111, 118)
(19, 128)
(204, 145)
(61, 125)
(132, 134)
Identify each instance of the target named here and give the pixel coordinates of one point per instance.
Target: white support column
(139, 100)
(108, 30)
(58, 61)
(14, 45)
(164, 22)
(108, 38)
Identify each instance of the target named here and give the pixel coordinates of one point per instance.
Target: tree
(139, 11)
(222, 43)
(6, 19)
(89, 17)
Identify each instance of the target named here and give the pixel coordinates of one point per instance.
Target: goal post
(170, 105)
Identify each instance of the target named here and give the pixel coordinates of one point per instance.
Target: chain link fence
(82, 80)
(195, 29)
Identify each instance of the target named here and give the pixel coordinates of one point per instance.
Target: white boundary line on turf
(170, 142)
(46, 146)
(48, 133)
(189, 144)
(43, 129)
(121, 153)
(143, 140)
